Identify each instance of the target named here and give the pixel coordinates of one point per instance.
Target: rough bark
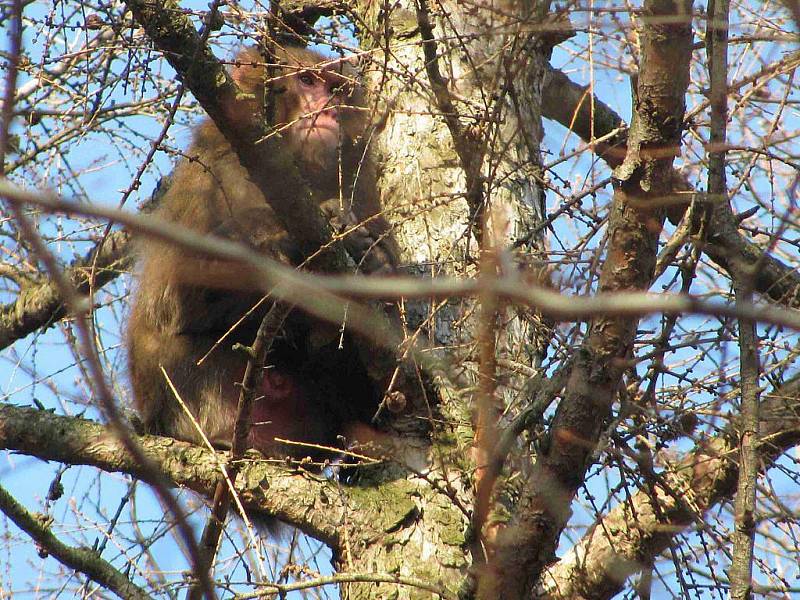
(316, 505)
(529, 543)
(459, 149)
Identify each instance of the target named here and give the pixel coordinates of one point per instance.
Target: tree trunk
(453, 189)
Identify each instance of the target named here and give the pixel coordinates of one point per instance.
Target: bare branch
(637, 530)
(83, 560)
(293, 286)
(529, 541)
(39, 303)
(567, 102)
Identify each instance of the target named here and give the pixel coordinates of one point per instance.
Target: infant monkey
(313, 391)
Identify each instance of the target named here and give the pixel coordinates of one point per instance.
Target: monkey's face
(318, 112)
(318, 105)
(321, 95)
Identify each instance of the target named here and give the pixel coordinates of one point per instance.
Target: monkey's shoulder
(209, 186)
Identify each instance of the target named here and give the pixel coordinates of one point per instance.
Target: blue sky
(42, 367)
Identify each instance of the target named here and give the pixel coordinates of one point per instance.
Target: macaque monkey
(312, 391)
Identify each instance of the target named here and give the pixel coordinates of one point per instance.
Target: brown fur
(313, 390)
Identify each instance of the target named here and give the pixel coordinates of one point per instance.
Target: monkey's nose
(330, 110)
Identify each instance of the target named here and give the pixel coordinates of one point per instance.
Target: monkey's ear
(248, 69)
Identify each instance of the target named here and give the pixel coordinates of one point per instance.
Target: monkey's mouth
(324, 119)
(318, 128)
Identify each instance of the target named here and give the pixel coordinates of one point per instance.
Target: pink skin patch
(320, 105)
(318, 129)
(276, 386)
(283, 409)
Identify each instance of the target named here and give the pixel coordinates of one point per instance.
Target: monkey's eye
(306, 78)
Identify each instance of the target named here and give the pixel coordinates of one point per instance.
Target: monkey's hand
(365, 248)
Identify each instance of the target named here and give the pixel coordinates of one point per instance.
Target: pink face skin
(321, 95)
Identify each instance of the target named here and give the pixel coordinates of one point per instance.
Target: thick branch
(529, 541)
(572, 105)
(316, 505)
(733, 252)
(40, 305)
(568, 103)
(636, 531)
